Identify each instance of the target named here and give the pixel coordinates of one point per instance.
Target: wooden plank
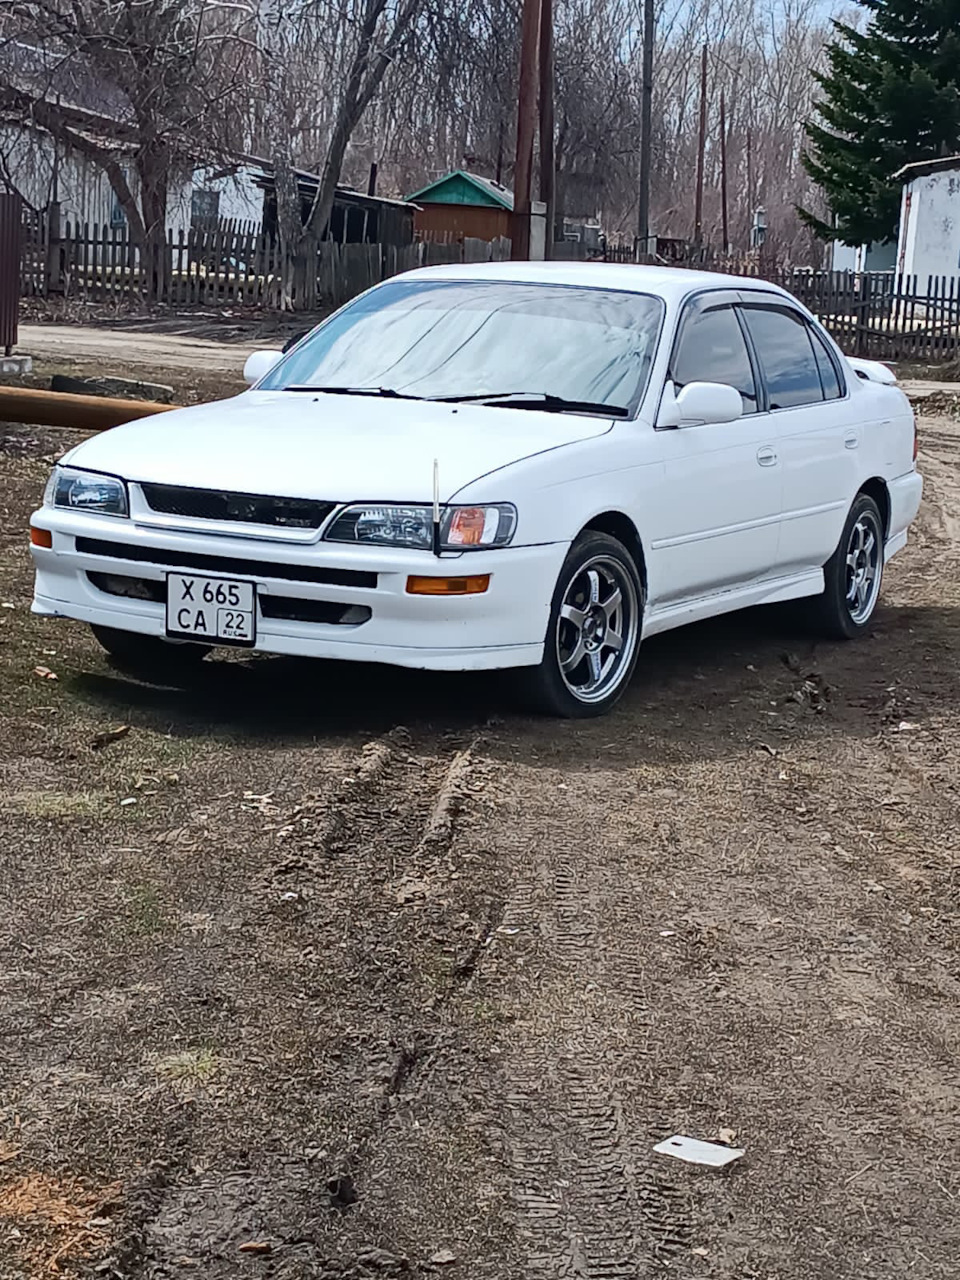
(249, 264)
(896, 317)
(199, 265)
(259, 270)
(226, 282)
(117, 266)
(932, 318)
(178, 267)
(85, 259)
(110, 285)
(193, 263)
(96, 287)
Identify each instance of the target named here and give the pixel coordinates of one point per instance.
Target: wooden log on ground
(87, 413)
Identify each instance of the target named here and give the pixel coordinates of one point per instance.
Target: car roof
(670, 283)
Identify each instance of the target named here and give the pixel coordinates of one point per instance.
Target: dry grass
(46, 805)
(54, 1223)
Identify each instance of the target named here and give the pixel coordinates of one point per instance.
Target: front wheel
(593, 636)
(149, 656)
(853, 574)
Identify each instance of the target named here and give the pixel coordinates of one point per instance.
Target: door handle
(766, 457)
(851, 440)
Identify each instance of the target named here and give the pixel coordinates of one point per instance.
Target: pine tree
(891, 95)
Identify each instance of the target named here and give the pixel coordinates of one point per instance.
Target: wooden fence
(232, 264)
(881, 315)
(874, 314)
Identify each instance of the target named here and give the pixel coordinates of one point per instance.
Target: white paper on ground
(693, 1151)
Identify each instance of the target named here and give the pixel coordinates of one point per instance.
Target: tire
(853, 574)
(149, 656)
(574, 687)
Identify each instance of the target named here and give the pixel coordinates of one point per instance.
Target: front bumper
(503, 627)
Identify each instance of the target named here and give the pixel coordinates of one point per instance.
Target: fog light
(41, 537)
(472, 586)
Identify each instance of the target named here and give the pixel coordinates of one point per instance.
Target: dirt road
(317, 972)
(124, 347)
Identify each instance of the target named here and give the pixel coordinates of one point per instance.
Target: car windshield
(473, 339)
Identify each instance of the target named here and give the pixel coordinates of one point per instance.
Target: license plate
(217, 610)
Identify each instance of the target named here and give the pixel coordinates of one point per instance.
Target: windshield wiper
(539, 400)
(385, 393)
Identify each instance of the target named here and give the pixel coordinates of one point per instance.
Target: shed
(357, 218)
(929, 241)
(462, 204)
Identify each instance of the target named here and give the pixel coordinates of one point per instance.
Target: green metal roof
(460, 187)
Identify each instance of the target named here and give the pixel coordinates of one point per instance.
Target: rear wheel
(149, 656)
(854, 573)
(593, 636)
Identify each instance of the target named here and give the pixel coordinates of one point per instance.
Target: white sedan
(526, 465)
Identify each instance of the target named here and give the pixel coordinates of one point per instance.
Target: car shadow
(709, 684)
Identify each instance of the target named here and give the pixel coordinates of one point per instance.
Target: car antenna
(436, 507)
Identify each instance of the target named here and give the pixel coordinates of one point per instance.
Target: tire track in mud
(586, 1201)
(390, 812)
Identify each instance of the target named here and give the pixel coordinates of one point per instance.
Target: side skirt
(773, 591)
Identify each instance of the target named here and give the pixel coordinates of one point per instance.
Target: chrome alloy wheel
(864, 566)
(597, 628)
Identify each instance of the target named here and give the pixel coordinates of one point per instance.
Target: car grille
(229, 565)
(325, 611)
(289, 608)
(246, 508)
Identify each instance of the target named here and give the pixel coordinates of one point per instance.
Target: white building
(929, 242)
(863, 257)
(43, 171)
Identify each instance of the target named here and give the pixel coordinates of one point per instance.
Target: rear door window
(785, 350)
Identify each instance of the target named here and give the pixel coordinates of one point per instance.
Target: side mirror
(259, 364)
(708, 402)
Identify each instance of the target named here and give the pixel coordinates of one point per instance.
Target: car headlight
(86, 491)
(461, 528)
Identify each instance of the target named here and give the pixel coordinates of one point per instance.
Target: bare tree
(358, 41)
(157, 83)
(419, 86)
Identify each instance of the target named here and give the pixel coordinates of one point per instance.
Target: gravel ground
(322, 972)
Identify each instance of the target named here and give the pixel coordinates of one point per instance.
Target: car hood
(332, 447)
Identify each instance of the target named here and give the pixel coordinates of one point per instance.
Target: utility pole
(548, 164)
(646, 128)
(701, 152)
(750, 169)
(526, 126)
(723, 174)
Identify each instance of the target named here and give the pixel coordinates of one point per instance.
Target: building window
(204, 208)
(118, 218)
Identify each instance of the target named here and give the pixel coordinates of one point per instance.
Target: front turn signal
(41, 537)
(472, 586)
